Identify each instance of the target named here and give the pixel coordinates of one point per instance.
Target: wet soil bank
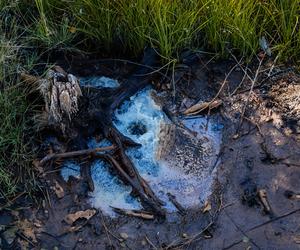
(259, 154)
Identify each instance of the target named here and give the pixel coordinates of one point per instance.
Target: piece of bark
(199, 107)
(134, 213)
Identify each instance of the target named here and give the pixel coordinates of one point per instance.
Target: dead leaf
(199, 107)
(59, 191)
(72, 29)
(28, 229)
(207, 207)
(87, 214)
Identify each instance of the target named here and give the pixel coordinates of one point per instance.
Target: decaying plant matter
(87, 112)
(61, 92)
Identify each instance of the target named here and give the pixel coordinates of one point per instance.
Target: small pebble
(124, 236)
(184, 235)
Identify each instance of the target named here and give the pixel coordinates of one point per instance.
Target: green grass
(169, 26)
(15, 154)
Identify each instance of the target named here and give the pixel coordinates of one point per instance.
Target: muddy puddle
(215, 164)
(178, 159)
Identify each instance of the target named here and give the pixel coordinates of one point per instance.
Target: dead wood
(262, 194)
(180, 208)
(94, 117)
(199, 107)
(61, 93)
(291, 195)
(134, 213)
(71, 154)
(138, 184)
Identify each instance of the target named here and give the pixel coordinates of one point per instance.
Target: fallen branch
(199, 107)
(134, 213)
(50, 157)
(214, 102)
(274, 219)
(138, 184)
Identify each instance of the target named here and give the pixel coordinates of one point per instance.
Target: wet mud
(257, 148)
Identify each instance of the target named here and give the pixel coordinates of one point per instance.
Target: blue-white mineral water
(140, 119)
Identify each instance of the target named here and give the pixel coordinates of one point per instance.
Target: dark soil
(260, 150)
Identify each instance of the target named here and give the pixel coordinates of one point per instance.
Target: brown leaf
(87, 214)
(207, 207)
(28, 229)
(199, 107)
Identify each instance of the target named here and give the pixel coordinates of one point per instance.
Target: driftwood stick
(50, 157)
(134, 213)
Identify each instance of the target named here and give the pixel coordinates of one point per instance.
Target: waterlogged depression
(175, 159)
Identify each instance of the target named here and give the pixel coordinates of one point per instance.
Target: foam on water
(140, 119)
(190, 190)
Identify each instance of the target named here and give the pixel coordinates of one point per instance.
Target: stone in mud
(124, 236)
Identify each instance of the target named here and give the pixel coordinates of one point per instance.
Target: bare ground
(260, 151)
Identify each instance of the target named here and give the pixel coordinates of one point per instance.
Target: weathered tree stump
(92, 115)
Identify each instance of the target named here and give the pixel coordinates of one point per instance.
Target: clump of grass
(168, 26)
(175, 24)
(51, 27)
(98, 20)
(284, 27)
(15, 156)
(172, 26)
